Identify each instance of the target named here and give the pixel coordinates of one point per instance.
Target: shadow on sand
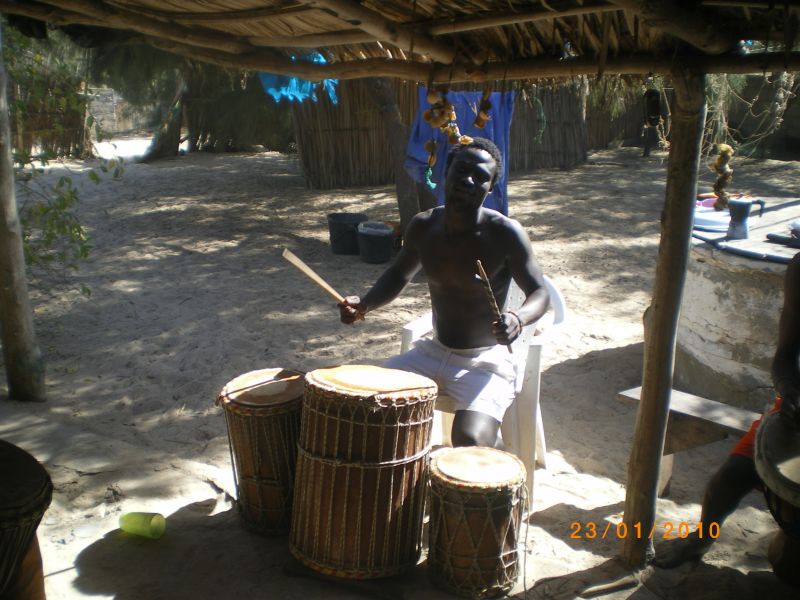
(695, 581)
(205, 556)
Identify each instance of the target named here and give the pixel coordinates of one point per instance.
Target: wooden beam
(23, 359)
(250, 14)
(386, 30)
(687, 25)
(315, 40)
(445, 27)
(261, 59)
(661, 318)
(538, 68)
(106, 16)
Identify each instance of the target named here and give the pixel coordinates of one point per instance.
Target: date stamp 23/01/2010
(668, 530)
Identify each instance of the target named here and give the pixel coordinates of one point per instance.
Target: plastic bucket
(342, 228)
(375, 242)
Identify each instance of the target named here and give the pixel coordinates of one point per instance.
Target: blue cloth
(466, 106)
(296, 89)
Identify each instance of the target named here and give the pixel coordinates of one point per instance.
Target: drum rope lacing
(338, 462)
(477, 581)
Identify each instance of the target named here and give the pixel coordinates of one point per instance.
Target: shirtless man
(467, 358)
(737, 476)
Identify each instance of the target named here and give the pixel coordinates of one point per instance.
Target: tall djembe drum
(361, 471)
(777, 458)
(262, 412)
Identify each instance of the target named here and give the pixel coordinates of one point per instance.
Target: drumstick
(490, 295)
(309, 272)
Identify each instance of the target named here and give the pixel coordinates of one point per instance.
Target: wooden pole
(383, 94)
(23, 359)
(661, 318)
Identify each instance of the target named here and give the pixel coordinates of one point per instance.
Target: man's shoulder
(497, 220)
(426, 218)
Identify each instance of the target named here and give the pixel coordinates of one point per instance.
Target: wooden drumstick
(487, 286)
(309, 272)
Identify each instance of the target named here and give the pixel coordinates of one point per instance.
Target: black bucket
(375, 242)
(342, 228)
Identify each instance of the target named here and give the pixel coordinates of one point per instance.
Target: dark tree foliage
(221, 110)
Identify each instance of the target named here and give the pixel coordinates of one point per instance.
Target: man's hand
(790, 411)
(507, 329)
(351, 310)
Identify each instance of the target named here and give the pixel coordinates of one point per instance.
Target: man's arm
(785, 370)
(528, 276)
(391, 282)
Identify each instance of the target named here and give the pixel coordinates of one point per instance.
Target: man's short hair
(481, 143)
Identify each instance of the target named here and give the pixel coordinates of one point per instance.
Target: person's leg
(472, 428)
(733, 481)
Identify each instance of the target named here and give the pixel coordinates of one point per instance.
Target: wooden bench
(694, 421)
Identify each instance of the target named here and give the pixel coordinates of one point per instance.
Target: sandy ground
(188, 290)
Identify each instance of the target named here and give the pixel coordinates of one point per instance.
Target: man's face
(470, 178)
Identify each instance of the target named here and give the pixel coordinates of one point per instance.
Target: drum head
(25, 490)
(265, 388)
(473, 466)
(777, 458)
(366, 380)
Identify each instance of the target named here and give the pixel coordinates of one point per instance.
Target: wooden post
(383, 94)
(23, 359)
(661, 319)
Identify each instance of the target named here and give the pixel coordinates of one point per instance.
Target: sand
(188, 291)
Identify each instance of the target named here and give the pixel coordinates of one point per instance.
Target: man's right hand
(351, 310)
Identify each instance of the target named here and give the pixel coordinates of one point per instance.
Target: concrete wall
(728, 327)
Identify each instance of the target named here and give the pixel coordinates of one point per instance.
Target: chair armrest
(415, 330)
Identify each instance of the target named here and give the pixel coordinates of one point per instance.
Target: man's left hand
(507, 329)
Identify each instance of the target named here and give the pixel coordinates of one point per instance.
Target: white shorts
(479, 379)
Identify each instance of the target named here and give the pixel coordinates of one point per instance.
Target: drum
(478, 496)
(262, 413)
(25, 494)
(777, 458)
(361, 471)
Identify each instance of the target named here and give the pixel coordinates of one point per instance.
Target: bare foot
(677, 552)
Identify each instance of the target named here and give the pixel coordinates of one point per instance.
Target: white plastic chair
(522, 429)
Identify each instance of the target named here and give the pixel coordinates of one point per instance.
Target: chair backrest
(534, 333)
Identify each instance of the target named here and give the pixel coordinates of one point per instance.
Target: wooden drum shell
(361, 478)
(474, 531)
(26, 494)
(777, 461)
(263, 444)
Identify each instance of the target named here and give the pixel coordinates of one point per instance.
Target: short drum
(262, 413)
(361, 471)
(25, 494)
(477, 500)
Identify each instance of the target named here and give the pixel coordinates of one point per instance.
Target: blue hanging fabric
(465, 105)
(295, 89)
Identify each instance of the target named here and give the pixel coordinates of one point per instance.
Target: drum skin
(777, 459)
(477, 496)
(262, 414)
(25, 494)
(361, 471)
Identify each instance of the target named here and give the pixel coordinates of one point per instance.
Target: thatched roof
(451, 40)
